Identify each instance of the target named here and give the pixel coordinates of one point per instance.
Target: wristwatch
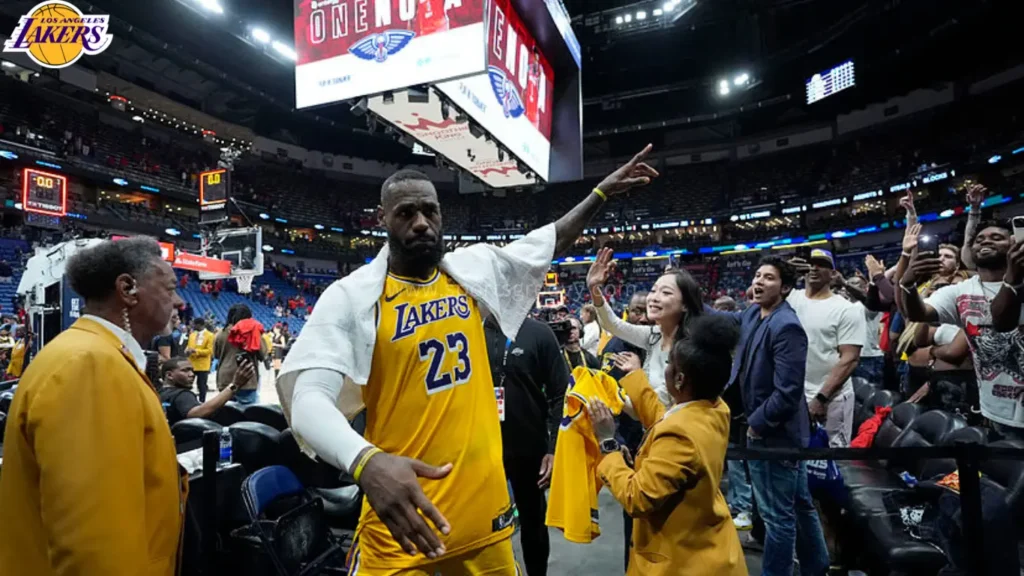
(609, 445)
(822, 398)
(233, 387)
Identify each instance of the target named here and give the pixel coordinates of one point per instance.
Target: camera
(561, 328)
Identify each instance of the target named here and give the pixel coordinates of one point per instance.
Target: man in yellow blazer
(90, 483)
(681, 522)
(200, 354)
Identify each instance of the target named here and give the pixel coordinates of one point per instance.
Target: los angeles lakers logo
(55, 34)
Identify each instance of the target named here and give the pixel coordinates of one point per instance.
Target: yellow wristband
(362, 462)
(600, 194)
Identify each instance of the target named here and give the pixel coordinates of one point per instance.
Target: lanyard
(583, 359)
(504, 362)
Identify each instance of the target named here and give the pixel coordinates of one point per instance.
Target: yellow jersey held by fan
(430, 397)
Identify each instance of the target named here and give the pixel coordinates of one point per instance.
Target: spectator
(872, 361)
(199, 351)
(6, 272)
(574, 353)
(176, 395)
(672, 487)
(987, 308)
(19, 353)
(90, 482)
(227, 355)
(769, 370)
(591, 329)
(725, 304)
(835, 335)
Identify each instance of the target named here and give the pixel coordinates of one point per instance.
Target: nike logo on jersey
(393, 296)
(411, 317)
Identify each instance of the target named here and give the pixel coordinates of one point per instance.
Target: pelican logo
(506, 92)
(378, 47)
(503, 170)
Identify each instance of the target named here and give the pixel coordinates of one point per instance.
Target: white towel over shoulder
(341, 332)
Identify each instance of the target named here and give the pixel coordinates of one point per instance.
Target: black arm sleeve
(556, 379)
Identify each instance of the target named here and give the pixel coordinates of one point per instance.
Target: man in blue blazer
(768, 369)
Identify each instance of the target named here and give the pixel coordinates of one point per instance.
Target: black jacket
(536, 377)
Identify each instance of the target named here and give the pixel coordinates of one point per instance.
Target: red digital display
(44, 192)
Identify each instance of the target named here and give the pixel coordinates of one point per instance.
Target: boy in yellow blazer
(90, 481)
(199, 351)
(681, 522)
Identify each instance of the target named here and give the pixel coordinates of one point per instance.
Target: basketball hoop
(245, 283)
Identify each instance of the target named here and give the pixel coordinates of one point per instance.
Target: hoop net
(245, 283)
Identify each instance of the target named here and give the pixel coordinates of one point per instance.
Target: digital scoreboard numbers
(44, 192)
(827, 83)
(214, 191)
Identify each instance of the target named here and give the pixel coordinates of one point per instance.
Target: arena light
(212, 6)
(260, 35)
(172, 232)
(8, 155)
(657, 12)
(723, 87)
(628, 18)
(318, 226)
(741, 79)
(120, 181)
(995, 159)
(641, 15)
(264, 216)
(138, 118)
(284, 50)
(669, 6)
(618, 20)
(268, 248)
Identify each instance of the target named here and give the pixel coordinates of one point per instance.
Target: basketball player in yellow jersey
(430, 396)
(408, 326)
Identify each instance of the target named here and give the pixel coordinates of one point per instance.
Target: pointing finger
(641, 155)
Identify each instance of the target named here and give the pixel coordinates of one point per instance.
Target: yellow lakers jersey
(572, 501)
(430, 397)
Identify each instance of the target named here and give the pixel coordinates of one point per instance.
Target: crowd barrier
(968, 456)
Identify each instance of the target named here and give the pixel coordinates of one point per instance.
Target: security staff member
(530, 379)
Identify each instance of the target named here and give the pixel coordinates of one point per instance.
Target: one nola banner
(347, 49)
(56, 34)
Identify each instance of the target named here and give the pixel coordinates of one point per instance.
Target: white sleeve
(316, 418)
(635, 334)
(945, 334)
(852, 328)
(943, 301)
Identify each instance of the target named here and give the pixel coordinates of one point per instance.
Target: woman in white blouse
(674, 300)
(591, 329)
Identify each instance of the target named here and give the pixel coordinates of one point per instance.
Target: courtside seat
(192, 429)
(342, 506)
(311, 472)
(254, 445)
(857, 473)
(880, 399)
(228, 414)
(885, 538)
(270, 414)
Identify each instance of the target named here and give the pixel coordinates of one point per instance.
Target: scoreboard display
(827, 83)
(44, 192)
(214, 186)
(214, 191)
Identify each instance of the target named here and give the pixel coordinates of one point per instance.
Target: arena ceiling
(631, 77)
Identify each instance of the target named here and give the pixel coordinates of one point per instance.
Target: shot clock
(44, 192)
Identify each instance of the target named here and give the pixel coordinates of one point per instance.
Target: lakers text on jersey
(430, 397)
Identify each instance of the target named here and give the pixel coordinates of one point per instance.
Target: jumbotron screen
(829, 82)
(351, 49)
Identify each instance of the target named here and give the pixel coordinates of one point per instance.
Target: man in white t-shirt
(835, 336)
(871, 366)
(998, 356)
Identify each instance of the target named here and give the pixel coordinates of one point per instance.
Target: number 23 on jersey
(454, 349)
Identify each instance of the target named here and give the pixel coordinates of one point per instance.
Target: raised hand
(907, 202)
(910, 237)
(634, 173)
(800, 265)
(393, 491)
(601, 270)
(976, 195)
(874, 265)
